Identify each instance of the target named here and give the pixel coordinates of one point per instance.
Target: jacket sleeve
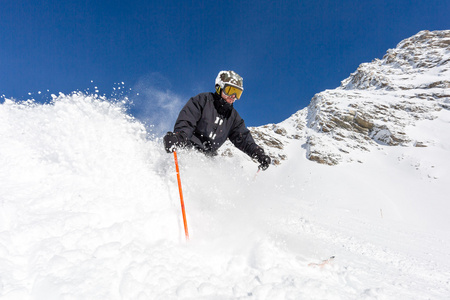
(241, 137)
(189, 116)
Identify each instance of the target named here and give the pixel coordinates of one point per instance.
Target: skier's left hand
(264, 162)
(262, 158)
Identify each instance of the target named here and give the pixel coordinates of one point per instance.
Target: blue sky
(286, 51)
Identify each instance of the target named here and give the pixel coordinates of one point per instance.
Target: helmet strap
(218, 89)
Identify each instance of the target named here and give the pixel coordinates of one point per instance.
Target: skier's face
(229, 99)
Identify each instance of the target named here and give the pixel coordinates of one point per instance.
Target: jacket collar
(222, 107)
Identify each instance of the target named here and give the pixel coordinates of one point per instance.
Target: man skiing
(208, 119)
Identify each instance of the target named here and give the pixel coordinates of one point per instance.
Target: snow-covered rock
(373, 106)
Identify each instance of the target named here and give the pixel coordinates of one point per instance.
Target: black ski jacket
(206, 121)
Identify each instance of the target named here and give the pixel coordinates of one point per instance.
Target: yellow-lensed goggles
(231, 90)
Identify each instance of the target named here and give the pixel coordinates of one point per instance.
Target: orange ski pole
(181, 196)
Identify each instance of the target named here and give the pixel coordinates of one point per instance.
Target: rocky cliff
(372, 107)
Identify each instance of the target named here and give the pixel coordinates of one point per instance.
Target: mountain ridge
(372, 107)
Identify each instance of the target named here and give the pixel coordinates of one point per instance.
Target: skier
(208, 119)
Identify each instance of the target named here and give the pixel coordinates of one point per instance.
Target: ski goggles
(231, 90)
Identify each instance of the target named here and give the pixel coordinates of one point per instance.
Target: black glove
(172, 141)
(262, 158)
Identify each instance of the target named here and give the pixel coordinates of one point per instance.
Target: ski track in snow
(90, 210)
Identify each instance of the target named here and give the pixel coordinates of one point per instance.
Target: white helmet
(230, 78)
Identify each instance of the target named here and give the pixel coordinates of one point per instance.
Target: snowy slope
(90, 210)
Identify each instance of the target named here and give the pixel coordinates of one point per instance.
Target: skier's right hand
(172, 141)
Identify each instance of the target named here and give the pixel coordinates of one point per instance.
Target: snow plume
(155, 104)
(67, 167)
